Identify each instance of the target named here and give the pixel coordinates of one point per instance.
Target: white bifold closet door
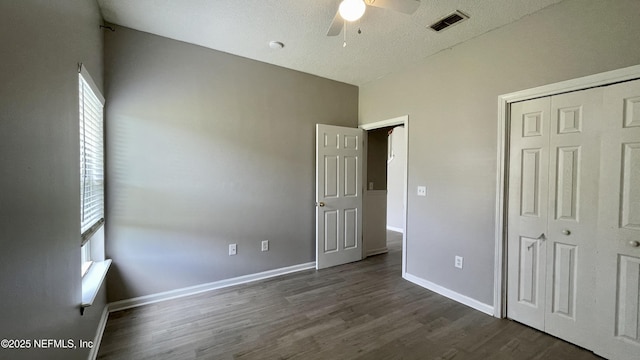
(618, 266)
(553, 195)
(574, 217)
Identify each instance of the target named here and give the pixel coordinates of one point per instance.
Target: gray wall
(206, 149)
(451, 99)
(395, 180)
(40, 283)
(377, 158)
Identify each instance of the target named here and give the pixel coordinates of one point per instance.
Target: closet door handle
(541, 237)
(566, 232)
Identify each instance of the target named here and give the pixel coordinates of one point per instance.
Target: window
(91, 164)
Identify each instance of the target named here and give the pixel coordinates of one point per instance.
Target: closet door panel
(618, 263)
(574, 166)
(527, 204)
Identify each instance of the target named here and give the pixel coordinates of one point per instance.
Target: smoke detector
(276, 45)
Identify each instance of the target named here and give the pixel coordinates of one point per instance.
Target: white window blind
(91, 157)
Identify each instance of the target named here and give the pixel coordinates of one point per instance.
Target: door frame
(504, 107)
(401, 120)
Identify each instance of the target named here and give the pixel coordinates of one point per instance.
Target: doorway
(385, 197)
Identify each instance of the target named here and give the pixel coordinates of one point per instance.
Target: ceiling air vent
(449, 21)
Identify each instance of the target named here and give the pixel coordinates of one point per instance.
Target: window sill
(92, 281)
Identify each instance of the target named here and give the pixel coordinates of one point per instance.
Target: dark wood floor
(363, 310)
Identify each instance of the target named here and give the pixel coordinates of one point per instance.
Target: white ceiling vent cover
(454, 18)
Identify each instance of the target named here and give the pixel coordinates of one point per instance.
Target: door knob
(634, 243)
(321, 204)
(566, 232)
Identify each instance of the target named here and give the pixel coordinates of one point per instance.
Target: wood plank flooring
(363, 310)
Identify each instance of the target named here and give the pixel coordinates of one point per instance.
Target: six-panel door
(338, 195)
(618, 281)
(554, 164)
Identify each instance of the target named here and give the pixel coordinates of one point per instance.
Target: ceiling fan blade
(336, 25)
(403, 6)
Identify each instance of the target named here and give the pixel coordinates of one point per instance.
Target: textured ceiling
(389, 41)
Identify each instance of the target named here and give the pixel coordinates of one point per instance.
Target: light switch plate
(232, 249)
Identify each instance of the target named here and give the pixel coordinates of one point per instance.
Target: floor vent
(448, 21)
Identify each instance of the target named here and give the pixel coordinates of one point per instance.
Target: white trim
(472, 303)
(376, 192)
(384, 123)
(400, 120)
(197, 289)
(82, 70)
(93, 353)
(92, 281)
(585, 82)
(379, 251)
(602, 79)
(396, 229)
(499, 288)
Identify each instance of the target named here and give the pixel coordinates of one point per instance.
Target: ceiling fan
(352, 10)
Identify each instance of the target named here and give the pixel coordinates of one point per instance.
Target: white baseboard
(93, 353)
(472, 303)
(376, 251)
(197, 289)
(396, 229)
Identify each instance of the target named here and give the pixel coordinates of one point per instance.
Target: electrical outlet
(232, 249)
(371, 185)
(422, 191)
(458, 262)
(265, 245)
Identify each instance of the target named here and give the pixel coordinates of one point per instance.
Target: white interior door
(618, 280)
(574, 166)
(553, 196)
(339, 154)
(527, 211)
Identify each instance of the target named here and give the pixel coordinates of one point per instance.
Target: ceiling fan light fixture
(352, 10)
